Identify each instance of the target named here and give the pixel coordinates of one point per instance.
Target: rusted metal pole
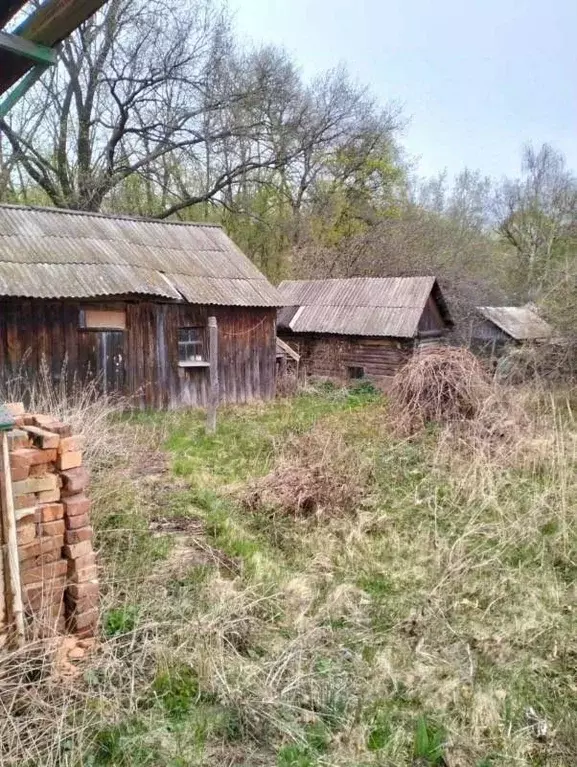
(213, 395)
(11, 563)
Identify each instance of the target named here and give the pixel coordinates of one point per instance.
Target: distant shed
(125, 302)
(361, 326)
(498, 326)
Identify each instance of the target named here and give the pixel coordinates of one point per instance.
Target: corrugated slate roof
(52, 253)
(360, 306)
(520, 322)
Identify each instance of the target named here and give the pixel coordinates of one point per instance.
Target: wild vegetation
(306, 588)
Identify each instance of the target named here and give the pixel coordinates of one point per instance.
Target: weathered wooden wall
(331, 356)
(143, 358)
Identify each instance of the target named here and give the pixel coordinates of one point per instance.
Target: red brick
(82, 562)
(48, 496)
(52, 528)
(51, 512)
(48, 482)
(77, 536)
(38, 596)
(25, 516)
(26, 534)
(40, 546)
(30, 456)
(78, 550)
(70, 460)
(83, 604)
(43, 559)
(70, 444)
(47, 572)
(74, 481)
(46, 440)
(19, 473)
(81, 621)
(77, 591)
(73, 523)
(83, 575)
(76, 504)
(24, 502)
(42, 469)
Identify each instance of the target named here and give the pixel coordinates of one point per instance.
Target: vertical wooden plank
(11, 564)
(213, 371)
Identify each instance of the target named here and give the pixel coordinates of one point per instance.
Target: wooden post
(213, 394)
(11, 563)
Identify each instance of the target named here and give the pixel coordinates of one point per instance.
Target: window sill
(194, 364)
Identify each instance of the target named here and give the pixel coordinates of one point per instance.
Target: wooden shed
(497, 327)
(361, 326)
(125, 302)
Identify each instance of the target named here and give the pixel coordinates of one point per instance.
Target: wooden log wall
(331, 356)
(143, 359)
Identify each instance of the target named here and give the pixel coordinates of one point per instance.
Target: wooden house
(125, 302)
(497, 327)
(357, 327)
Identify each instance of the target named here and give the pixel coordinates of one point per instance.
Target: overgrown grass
(432, 625)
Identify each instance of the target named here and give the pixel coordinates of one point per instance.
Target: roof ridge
(99, 214)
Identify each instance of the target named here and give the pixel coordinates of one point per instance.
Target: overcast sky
(478, 78)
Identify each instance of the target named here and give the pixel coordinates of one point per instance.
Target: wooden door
(102, 359)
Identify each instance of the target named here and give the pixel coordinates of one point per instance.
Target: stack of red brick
(57, 563)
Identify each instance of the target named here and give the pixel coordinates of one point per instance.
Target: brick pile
(58, 570)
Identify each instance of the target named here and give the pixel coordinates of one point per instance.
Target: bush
(439, 385)
(316, 474)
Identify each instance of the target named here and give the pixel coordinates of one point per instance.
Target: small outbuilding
(499, 326)
(125, 303)
(361, 326)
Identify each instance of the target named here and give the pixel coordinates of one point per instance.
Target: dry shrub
(316, 474)
(441, 385)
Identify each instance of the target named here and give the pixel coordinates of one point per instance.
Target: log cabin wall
(337, 356)
(143, 359)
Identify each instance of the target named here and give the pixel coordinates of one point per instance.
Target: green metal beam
(21, 88)
(39, 54)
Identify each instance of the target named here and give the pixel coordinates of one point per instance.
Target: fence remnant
(49, 511)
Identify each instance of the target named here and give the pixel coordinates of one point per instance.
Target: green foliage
(120, 620)
(430, 741)
(295, 756)
(122, 745)
(177, 690)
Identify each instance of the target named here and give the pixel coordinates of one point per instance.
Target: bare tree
(143, 88)
(536, 211)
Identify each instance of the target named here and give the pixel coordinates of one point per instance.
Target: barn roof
(521, 323)
(54, 253)
(360, 306)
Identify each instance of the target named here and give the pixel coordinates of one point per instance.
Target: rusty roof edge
(110, 216)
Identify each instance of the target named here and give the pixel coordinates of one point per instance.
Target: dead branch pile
(441, 385)
(317, 474)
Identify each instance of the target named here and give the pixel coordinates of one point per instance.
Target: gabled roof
(54, 253)
(360, 306)
(521, 323)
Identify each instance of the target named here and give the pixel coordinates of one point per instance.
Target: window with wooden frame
(102, 319)
(192, 347)
(355, 372)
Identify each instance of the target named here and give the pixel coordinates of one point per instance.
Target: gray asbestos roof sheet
(50, 253)
(519, 322)
(371, 306)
